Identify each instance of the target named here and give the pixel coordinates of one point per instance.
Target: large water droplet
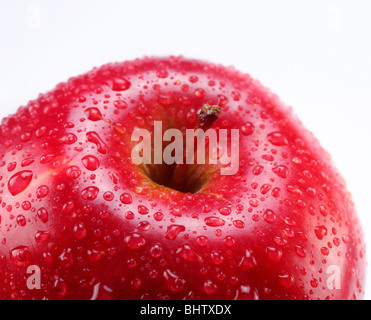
(247, 262)
(281, 171)
(156, 251)
(90, 162)
(21, 220)
(93, 114)
(120, 84)
(239, 224)
(66, 258)
(274, 254)
(143, 210)
(135, 241)
(216, 258)
(174, 282)
(73, 172)
(69, 138)
(120, 104)
(90, 193)
(173, 231)
(214, 222)
(42, 192)
(43, 215)
(286, 280)
(126, 198)
(20, 256)
(269, 216)
(277, 139)
(79, 230)
(42, 236)
(210, 287)
(19, 182)
(188, 254)
(247, 129)
(321, 232)
(97, 140)
(27, 162)
(225, 211)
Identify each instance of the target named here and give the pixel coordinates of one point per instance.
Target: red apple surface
(78, 213)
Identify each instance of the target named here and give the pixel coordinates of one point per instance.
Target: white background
(316, 55)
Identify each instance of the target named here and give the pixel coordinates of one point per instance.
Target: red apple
(76, 210)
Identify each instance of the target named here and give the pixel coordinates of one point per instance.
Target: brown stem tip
(207, 115)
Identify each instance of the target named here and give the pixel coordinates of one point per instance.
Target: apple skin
(74, 204)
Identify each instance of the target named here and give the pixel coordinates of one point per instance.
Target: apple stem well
(181, 177)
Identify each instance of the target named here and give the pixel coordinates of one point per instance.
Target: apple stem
(207, 116)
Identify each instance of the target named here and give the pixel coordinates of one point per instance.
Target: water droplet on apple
(11, 166)
(225, 211)
(90, 193)
(120, 84)
(247, 129)
(325, 251)
(66, 259)
(143, 210)
(247, 262)
(158, 216)
(276, 192)
(200, 93)
(93, 114)
(229, 241)
(144, 226)
(73, 172)
(90, 162)
(19, 182)
(135, 241)
(216, 258)
(43, 215)
(25, 137)
(281, 171)
(188, 254)
(156, 251)
(120, 104)
(174, 282)
(210, 287)
(321, 232)
(42, 236)
(26, 205)
(214, 222)
(265, 188)
(277, 139)
(108, 196)
(300, 251)
(27, 162)
(46, 158)
(97, 140)
(257, 170)
(162, 74)
(269, 216)
(173, 231)
(129, 215)
(60, 287)
(79, 230)
(20, 256)
(274, 254)
(21, 220)
(286, 280)
(69, 139)
(202, 241)
(239, 224)
(40, 132)
(42, 192)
